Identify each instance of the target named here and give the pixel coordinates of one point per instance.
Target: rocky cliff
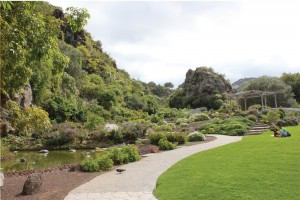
(202, 88)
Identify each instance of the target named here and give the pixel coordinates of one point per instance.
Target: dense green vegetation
(75, 84)
(294, 81)
(260, 167)
(104, 162)
(284, 92)
(61, 90)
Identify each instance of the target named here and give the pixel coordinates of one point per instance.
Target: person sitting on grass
(283, 131)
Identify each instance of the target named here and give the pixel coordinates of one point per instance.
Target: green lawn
(259, 167)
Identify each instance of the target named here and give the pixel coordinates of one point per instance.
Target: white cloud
(160, 41)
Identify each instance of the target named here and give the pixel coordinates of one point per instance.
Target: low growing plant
(196, 136)
(164, 144)
(154, 137)
(90, 165)
(104, 162)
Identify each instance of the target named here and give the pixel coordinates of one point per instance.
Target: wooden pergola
(253, 94)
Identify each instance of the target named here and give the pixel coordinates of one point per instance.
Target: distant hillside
(239, 82)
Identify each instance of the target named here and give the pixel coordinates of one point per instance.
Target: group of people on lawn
(280, 131)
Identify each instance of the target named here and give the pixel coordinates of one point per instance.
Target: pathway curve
(139, 179)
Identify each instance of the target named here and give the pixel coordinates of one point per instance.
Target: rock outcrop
(239, 82)
(204, 81)
(75, 39)
(202, 88)
(5, 128)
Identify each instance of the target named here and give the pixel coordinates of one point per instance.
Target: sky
(160, 40)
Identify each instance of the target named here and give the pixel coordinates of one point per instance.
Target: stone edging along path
(139, 179)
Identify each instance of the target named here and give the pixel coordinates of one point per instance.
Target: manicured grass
(258, 167)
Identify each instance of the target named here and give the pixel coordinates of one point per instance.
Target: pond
(36, 160)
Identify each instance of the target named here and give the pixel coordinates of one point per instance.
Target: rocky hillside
(239, 82)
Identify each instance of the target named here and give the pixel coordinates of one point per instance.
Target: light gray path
(139, 179)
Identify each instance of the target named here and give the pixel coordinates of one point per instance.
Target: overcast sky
(159, 41)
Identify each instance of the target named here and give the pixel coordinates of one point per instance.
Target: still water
(36, 160)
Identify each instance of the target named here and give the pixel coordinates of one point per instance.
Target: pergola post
(245, 101)
(266, 102)
(262, 102)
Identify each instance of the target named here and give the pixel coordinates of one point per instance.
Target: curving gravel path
(139, 179)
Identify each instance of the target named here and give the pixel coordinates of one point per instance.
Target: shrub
(115, 136)
(183, 124)
(199, 117)
(98, 135)
(181, 120)
(164, 144)
(104, 162)
(131, 153)
(116, 155)
(154, 137)
(57, 138)
(93, 121)
(176, 138)
(29, 119)
(252, 118)
(62, 109)
(156, 119)
(196, 136)
(90, 165)
(165, 128)
(131, 131)
(236, 132)
(230, 126)
(271, 117)
(124, 155)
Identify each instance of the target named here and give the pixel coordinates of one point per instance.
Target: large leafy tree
(27, 40)
(77, 18)
(294, 81)
(284, 94)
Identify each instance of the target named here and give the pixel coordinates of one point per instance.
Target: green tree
(294, 81)
(27, 38)
(77, 18)
(168, 85)
(284, 92)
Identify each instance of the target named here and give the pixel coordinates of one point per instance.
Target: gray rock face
(24, 98)
(5, 128)
(239, 82)
(203, 87)
(33, 184)
(204, 81)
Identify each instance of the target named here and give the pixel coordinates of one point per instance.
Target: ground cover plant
(258, 167)
(230, 126)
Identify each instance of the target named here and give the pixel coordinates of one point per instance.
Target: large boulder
(33, 184)
(202, 88)
(204, 81)
(5, 128)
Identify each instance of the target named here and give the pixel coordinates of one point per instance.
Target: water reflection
(36, 160)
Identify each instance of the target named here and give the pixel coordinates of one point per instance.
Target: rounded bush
(199, 117)
(104, 162)
(181, 120)
(252, 118)
(178, 138)
(155, 137)
(90, 165)
(196, 136)
(183, 124)
(164, 144)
